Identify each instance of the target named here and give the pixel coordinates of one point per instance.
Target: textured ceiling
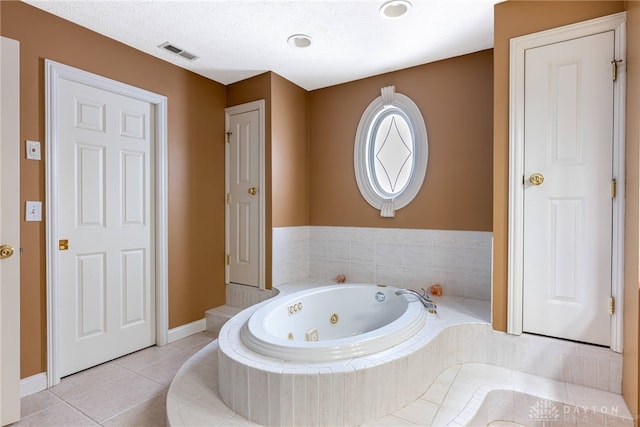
(237, 39)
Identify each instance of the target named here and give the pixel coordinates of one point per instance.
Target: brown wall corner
(290, 153)
(253, 89)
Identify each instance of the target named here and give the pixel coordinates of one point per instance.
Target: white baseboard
(184, 331)
(33, 384)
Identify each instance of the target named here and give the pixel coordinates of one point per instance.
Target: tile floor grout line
(46, 407)
(81, 412)
(134, 406)
(190, 352)
(158, 382)
(92, 388)
(453, 380)
(66, 399)
(51, 399)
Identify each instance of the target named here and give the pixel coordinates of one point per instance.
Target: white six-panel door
(245, 198)
(568, 139)
(106, 282)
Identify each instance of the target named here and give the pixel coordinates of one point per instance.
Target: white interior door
(10, 231)
(105, 223)
(568, 143)
(245, 198)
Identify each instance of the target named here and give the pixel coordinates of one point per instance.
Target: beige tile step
(218, 316)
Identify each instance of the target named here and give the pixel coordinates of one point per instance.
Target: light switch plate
(33, 211)
(33, 150)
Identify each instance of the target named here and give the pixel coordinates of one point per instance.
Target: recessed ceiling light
(299, 40)
(395, 9)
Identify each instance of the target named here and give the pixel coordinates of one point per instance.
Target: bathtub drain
(334, 319)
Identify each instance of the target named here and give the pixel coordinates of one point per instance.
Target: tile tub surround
(348, 393)
(461, 394)
(468, 394)
(407, 258)
(290, 254)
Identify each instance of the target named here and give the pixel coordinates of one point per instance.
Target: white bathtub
(333, 322)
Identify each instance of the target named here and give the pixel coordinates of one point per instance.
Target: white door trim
(55, 71)
(518, 48)
(10, 224)
(229, 111)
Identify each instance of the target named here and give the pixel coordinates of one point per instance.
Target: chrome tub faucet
(424, 298)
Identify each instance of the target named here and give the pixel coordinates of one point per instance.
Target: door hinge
(228, 259)
(228, 198)
(229, 137)
(614, 188)
(614, 68)
(612, 306)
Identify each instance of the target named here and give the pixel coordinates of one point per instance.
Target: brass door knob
(6, 251)
(536, 179)
(253, 191)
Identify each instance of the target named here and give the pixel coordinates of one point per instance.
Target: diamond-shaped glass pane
(393, 153)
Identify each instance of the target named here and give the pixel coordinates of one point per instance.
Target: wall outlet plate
(33, 150)
(33, 211)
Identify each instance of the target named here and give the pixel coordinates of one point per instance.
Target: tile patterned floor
(129, 391)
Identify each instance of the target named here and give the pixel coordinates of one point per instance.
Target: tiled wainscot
(458, 260)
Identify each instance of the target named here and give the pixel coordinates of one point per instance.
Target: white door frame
(10, 223)
(518, 48)
(55, 71)
(230, 111)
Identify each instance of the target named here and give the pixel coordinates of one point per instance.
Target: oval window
(390, 154)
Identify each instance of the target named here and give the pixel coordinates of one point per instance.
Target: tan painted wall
(289, 146)
(196, 165)
(630, 368)
(455, 97)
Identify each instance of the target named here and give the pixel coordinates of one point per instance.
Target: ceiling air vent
(178, 51)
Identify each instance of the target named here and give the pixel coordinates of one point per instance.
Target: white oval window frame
(388, 206)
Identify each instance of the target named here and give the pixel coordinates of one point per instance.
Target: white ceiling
(237, 39)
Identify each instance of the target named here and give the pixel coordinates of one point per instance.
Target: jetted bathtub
(333, 322)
